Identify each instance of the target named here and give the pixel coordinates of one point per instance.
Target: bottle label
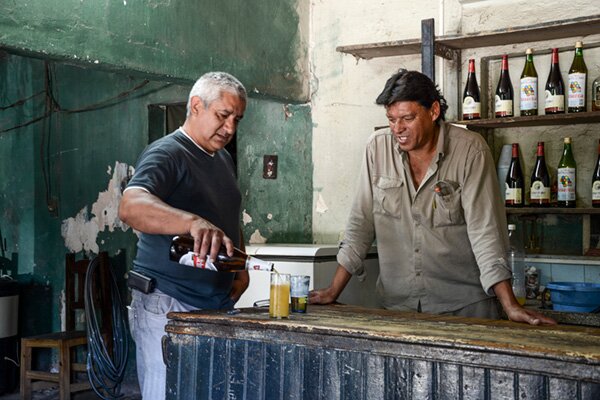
(576, 89)
(596, 190)
(566, 184)
(503, 107)
(554, 101)
(513, 195)
(471, 107)
(596, 96)
(529, 93)
(191, 259)
(539, 191)
(256, 264)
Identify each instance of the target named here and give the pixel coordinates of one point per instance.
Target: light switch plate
(270, 166)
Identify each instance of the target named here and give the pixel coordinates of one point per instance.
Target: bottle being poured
(182, 252)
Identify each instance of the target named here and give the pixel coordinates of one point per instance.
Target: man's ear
(435, 110)
(196, 105)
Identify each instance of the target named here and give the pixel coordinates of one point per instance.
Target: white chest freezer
(318, 262)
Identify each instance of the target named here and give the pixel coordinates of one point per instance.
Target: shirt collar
(193, 141)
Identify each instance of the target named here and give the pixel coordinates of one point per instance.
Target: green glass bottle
(529, 87)
(566, 177)
(577, 82)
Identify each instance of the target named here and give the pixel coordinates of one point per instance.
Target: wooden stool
(66, 342)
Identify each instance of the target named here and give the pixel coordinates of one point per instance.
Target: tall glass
(279, 300)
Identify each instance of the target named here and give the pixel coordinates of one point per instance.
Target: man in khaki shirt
(428, 193)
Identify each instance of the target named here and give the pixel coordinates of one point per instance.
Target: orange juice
(279, 301)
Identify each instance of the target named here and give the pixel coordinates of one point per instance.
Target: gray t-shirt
(182, 175)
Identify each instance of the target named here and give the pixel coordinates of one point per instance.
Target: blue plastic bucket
(574, 296)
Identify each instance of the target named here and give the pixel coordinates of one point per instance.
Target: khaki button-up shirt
(441, 246)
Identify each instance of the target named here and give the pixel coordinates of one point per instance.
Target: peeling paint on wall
(257, 238)
(81, 232)
(321, 206)
(246, 218)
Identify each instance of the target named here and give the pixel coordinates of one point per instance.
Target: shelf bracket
(441, 50)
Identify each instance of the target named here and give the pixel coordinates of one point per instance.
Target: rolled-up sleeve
(486, 219)
(360, 230)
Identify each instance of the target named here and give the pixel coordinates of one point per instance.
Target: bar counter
(348, 352)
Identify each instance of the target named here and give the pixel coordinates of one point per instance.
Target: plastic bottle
(182, 251)
(516, 262)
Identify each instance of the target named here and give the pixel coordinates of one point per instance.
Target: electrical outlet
(270, 166)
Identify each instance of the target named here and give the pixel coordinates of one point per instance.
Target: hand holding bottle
(208, 239)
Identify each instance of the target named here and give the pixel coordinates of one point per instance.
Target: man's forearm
(147, 213)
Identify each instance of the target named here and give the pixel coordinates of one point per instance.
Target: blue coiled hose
(105, 371)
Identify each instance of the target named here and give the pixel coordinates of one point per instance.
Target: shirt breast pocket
(448, 208)
(387, 196)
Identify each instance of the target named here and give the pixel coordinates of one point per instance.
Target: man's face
(412, 124)
(215, 125)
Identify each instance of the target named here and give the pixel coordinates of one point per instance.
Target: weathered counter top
(347, 352)
(571, 344)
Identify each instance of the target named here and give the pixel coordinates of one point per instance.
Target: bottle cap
(512, 227)
(529, 51)
(578, 44)
(567, 140)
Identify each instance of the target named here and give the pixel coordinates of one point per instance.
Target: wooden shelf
(530, 33)
(551, 210)
(537, 120)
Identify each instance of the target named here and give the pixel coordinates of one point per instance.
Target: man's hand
(514, 310)
(521, 314)
(207, 237)
(321, 296)
(330, 294)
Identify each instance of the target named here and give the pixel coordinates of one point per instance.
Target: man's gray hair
(210, 85)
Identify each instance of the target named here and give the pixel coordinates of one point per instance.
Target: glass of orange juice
(279, 300)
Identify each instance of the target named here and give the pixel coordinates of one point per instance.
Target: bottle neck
(555, 56)
(504, 64)
(540, 150)
(579, 52)
(567, 149)
(515, 151)
(471, 66)
(529, 59)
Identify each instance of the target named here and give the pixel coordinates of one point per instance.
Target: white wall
(343, 89)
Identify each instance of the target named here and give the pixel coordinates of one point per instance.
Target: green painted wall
(280, 209)
(52, 169)
(262, 42)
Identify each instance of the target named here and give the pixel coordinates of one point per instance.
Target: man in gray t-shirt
(185, 183)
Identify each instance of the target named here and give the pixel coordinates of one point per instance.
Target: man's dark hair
(412, 86)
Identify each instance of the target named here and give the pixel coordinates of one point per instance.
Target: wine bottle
(182, 252)
(596, 182)
(503, 105)
(471, 98)
(540, 180)
(529, 87)
(555, 88)
(514, 181)
(566, 177)
(596, 94)
(577, 82)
